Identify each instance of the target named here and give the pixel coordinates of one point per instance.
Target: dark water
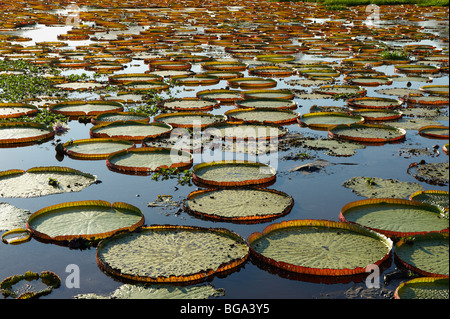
(319, 195)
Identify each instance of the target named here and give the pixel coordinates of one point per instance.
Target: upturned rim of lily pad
(12, 142)
(398, 293)
(137, 170)
(201, 276)
(325, 224)
(392, 201)
(333, 132)
(78, 155)
(65, 239)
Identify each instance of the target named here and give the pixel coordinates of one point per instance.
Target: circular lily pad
(374, 103)
(158, 291)
(189, 104)
(319, 247)
(371, 133)
(423, 288)
(130, 130)
(75, 109)
(248, 83)
(378, 114)
(267, 116)
(146, 160)
(233, 174)
(133, 77)
(430, 100)
(42, 181)
(190, 119)
(373, 187)
(268, 94)
(11, 110)
(223, 96)
(368, 81)
(432, 197)
(340, 89)
(21, 133)
(325, 120)
(431, 173)
(90, 220)
(172, 254)
(280, 104)
(251, 132)
(416, 69)
(239, 205)
(435, 131)
(426, 255)
(395, 217)
(435, 89)
(95, 149)
(120, 116)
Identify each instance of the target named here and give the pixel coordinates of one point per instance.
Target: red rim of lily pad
(428, 131)
(137, 170)
(410, 240)
(28, 110)
(322, 224)
(393, 201)
(78, 155)
(10, 142)
(91, 237)
(333, 132)
(271, 174)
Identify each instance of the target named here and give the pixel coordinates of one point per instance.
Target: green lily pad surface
(85, 219)
(423, 288)
(242, 204)
(395, 217)
(12, 217)
(155, 291)
(171, 253)
(320, 247)
(373, 187)
(42, 181)
(426, 255)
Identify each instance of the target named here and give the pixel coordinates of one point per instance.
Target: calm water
(319, 195)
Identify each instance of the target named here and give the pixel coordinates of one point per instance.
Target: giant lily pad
(373, 187)
(426, 255)
(95, 149)
(189, 104)
(266, 103)
(268, 116)
(148, 159)
(318, 247)
(158, 291)
(223, 96)
(76, 109)
(433, 197)
(260, 132)
(172, 253)
(239, 205)
(269, 94)
(374, 103)
(130, 130)
(431, 173)
(89, 220)
(42, 181)
(233, 173)
(10, 110)
(395, 217)
(12, 217)
(324, 120)
(370, 133)
(435, 131)
(20, 133)
(423, 288)
(189, 119)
